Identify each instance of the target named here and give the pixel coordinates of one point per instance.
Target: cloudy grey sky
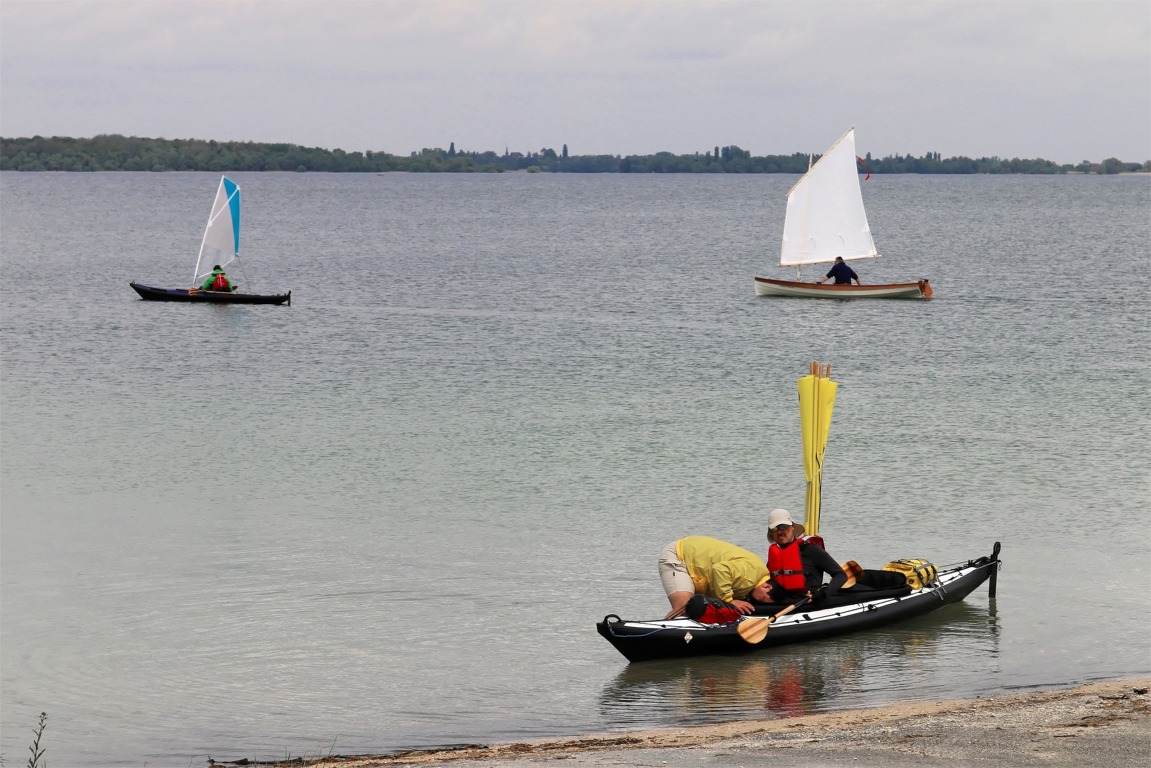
(1066, 81)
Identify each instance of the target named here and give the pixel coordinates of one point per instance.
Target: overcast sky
(1065, 81)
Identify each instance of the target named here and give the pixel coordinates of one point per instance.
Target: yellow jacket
(719, 569)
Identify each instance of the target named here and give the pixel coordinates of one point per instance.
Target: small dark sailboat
(151, 293)
(220, 247)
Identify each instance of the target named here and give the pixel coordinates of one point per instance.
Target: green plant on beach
(36, 750)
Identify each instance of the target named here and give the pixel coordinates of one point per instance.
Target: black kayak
(874, 602)
(149, 293)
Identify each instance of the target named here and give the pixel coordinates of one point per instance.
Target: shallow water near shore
(390, 515)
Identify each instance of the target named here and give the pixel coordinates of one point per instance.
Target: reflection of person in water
(786, 687)
(800, 680)
(786, 692)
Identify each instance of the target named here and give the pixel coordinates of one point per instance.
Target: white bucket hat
(777, 518)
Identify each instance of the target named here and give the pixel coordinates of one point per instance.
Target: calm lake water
(390, 515)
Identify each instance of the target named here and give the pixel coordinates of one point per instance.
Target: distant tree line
(112, 152)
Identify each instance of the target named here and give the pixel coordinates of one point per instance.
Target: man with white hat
(797, 567)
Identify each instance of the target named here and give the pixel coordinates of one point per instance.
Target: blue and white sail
(221, 244)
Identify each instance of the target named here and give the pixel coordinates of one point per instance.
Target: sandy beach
(1093, 725)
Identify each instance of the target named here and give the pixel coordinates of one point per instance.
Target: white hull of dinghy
(764, 286)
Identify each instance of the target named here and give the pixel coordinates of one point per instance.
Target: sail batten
(825, 216)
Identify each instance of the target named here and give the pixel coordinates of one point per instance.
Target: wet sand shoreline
(1099, 724)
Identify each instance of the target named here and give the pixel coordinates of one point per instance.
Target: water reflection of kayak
(872, 604)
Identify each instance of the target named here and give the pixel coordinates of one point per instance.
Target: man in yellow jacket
(706, 566)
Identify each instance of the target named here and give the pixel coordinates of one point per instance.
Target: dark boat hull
(679, 638)
(149, 293)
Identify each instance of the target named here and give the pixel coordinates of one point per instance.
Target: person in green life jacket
(218, 281)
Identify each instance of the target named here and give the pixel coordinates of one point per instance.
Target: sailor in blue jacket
(842, 273)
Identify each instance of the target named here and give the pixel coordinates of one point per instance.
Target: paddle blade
(853, 570)
(753, 629)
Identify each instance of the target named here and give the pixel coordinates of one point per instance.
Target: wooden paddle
(753, 629)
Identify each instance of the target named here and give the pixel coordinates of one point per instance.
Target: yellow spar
(816, 400)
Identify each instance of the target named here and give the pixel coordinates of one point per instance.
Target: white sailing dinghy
(825, 219)
(220, 247)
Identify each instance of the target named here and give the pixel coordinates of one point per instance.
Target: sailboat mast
(799, 267)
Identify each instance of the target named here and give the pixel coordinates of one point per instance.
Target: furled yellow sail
(816, 401)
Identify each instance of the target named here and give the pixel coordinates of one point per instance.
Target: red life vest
(709, 610)
(786, 566)
(220, 283)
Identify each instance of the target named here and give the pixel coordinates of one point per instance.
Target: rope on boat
(634, 637)
(249, 288)
(611, 628)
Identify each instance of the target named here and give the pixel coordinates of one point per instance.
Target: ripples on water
(390, 515)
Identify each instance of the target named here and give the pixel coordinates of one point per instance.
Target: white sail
(825, 216)
(221, 244)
